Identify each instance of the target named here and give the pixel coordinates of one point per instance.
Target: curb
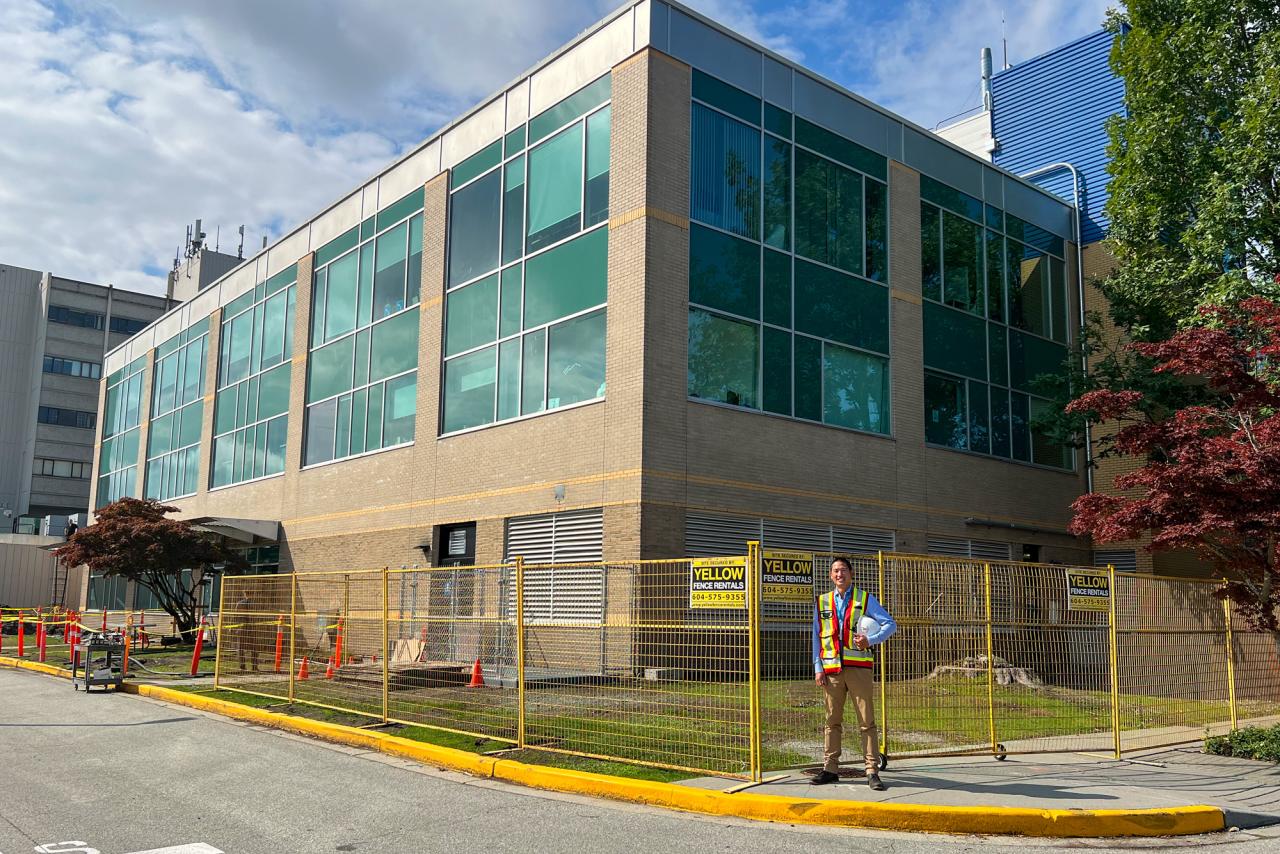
(1021, 821)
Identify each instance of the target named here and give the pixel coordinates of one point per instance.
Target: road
(119, 774)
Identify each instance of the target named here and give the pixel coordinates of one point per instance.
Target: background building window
(823, 197)
(72, 367)
(530, 336)
(61, 468)
(67, 417)
(363, 365)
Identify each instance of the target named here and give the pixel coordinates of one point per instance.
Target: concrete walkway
(1247, 791)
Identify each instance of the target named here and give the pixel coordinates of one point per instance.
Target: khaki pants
(852, 682)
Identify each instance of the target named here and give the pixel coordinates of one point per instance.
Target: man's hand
(861, 642)
(821, 678)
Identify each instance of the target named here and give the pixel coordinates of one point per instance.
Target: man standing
(842, 664)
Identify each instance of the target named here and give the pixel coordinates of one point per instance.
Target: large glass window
(251, 409)
(362, 367)
(981, 375)
(122, 418)
(527, 334)
(177, 413)
(788, 256)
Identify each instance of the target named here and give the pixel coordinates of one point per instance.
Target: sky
(122, 121)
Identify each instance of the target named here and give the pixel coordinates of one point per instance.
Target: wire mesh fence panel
(1050, 672)
(443, 623)
(253, 634)
(641, 662)
(1171, 645)
(338, 618)
(793, 708)
(936, 691)
(1256, 671)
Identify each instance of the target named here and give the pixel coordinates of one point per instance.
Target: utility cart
(98, 659)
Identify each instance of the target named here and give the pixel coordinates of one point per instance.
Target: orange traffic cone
(328, 671)
(303, 671)
(477, 676)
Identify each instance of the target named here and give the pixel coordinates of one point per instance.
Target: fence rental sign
(718, 582)
(787, 576)
(1088, 591)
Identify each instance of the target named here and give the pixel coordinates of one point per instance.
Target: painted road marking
(191, 848)
(83, 848)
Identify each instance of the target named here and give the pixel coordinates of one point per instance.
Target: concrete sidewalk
(1248, 792)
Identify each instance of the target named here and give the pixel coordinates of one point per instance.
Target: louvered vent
(715, 536)
(571, 594)
(1124, 560)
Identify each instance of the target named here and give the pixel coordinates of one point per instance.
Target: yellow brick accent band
(906, 296)
(657, 213)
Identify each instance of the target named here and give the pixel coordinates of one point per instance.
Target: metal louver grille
(983, 549)
(796, 537)
(714, 536)
(989, 549)
(952, 548)
(862, 541)
(1124, 560)
(573, 594)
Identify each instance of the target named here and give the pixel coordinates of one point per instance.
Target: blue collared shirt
(874, 610)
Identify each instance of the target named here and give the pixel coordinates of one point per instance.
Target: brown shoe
(873, 782)
(822, 778)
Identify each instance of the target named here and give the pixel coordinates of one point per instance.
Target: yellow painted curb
(23, 664)
(1174, 821)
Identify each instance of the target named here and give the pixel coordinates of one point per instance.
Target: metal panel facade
(1054, 108)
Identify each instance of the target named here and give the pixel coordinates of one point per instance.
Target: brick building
(665, 292)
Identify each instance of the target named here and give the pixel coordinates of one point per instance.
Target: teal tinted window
(995, 276)
(725, 97)
(340, 297)
(945, 421)
(575, 360)
(777, 371)
(1031, 357)
(394, 348)
(513, 141)
(723, 359)
(855, 389)
(177, 411)
(567, 279)
(979, 421)
(512, 300)
(777, 194)
(955, 342)
(470, 315)
(724, 272)
(808, 378)
(389, 271)
(555, 188)
(273, 392)
(842, 308)
(1033, 235)
(1058, 299)
(533, 385)
(877, 236)
(931, 252)
(477, 164)
(1000, 422)
(724, 185)
(998, 353)
(828, 213)
(1020, 426)
(951, 199)
(1029, 300)
(1044, 450)
(777, 288)
(843, 150)
(513, 210)
(777, 120)
(339, 245)
(597, 179)
(962, 271)
(398, 210)
(473, 229)
(509, 379)
(330, 369)
(585, 99)
(469, 387)
(399, 408)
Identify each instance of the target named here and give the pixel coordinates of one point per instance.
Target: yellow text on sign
(718, 582)
(787, 576)
(1088, 591)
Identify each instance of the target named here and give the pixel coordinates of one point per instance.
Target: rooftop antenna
(177, 254)
(1004, 42)
(986, 79)
(264, 241)
(217, 238)
(240, 249)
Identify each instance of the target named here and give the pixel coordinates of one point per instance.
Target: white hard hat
(867, 626)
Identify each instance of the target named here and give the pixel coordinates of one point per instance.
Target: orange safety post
(21, 636)
(104, 619)
(142, 629)
(1, 630)
(41, 636)
(279, 640)
(303, 672)
(124, 661)
(195, 655)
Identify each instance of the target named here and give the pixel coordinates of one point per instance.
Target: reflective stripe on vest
(833, 626)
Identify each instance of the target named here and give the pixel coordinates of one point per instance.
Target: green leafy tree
(133, 538)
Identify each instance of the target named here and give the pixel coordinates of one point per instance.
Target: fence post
(753, 656)
(520, 741)
(884, 662)
(1115, 662)
(386, 631)
(991, 664)
(1231, 663)
(293, 628)
(217, 647)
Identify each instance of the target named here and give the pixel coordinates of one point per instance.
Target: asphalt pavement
(119, 774)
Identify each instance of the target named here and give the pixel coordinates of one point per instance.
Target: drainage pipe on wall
(1084, 362)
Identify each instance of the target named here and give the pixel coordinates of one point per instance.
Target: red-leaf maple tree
(1210, 482)
(133, 538)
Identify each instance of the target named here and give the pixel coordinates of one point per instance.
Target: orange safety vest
(836, 632)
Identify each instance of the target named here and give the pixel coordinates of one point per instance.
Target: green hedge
(1248, 743)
